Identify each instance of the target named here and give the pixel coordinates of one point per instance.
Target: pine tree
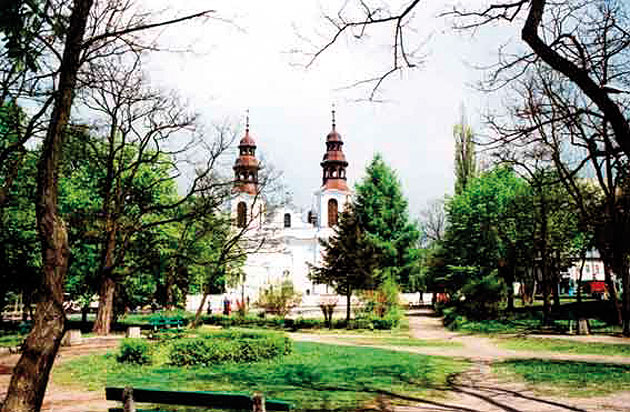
(382, 212)
(350, 258)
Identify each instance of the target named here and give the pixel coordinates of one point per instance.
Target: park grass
(567, 378)
(564, 346)
(315, 376)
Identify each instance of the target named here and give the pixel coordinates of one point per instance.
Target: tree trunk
(84, 314)
(510, 285)
(555, 284)
(623, 271)
(197, 321)
(30, 375)
(103, 322)
(579, 282)
(169, 296)
(612, 293)
(348, 299)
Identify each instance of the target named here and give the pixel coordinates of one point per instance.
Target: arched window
(241, 214)
(287, 220)
(333, 212)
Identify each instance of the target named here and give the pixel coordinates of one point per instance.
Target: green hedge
(236, 347)
(388, 322)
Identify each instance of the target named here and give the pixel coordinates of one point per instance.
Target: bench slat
(223, 400)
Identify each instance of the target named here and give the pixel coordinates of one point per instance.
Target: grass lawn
(568, 378)
(565, 346)
(314, 376)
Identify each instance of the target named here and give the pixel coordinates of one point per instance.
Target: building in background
(290, 236)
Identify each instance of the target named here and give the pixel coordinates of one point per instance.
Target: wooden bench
(218, 400)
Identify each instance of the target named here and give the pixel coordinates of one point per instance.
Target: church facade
(286, 239)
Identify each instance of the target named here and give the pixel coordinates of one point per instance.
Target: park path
(424, 324)
(478, 389)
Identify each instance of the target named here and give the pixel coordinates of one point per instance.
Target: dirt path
(478, 389)
(425, 325)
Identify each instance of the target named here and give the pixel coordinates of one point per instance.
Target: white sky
(247, 64)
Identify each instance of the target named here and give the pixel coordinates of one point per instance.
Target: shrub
(482, 296)
(231, 346)
(279, 299)
(134, 351)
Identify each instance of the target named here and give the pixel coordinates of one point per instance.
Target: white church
(290, 237)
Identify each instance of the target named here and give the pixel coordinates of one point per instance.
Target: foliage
(234, 347)
(135, 351)
(465, 159)
(382, 213)
(381, 307)
(314, 376)
(482, 296)
(369, 322)
(350, 260)
(279, 299)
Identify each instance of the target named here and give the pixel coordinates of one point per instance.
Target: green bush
(230, 346)
(482, 296)
(134, 351)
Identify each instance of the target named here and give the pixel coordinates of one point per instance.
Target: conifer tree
(382, 212)
(349, 258)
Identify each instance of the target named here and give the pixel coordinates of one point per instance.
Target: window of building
(333, 212)
(287, 220)
(241, 214)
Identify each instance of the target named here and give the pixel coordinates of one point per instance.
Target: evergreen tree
(382, 212)
(350, 258)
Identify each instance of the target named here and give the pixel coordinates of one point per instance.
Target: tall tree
(486, 230)
(382, 212)
(30, 375)
(350, 258)
(465, 159)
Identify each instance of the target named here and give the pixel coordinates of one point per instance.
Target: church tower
(247, 204)
(334, 193)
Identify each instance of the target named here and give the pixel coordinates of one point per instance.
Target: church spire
(334, 162)
(246, 166)
(334, 125)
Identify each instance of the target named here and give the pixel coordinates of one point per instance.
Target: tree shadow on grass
(491, 397)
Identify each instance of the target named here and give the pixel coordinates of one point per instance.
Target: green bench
(217, 400)
(161, 323)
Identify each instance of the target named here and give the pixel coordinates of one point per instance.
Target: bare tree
(146, 131)
(433, 220)
(558, 34)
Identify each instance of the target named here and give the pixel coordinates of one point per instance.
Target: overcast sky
(247, 62)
